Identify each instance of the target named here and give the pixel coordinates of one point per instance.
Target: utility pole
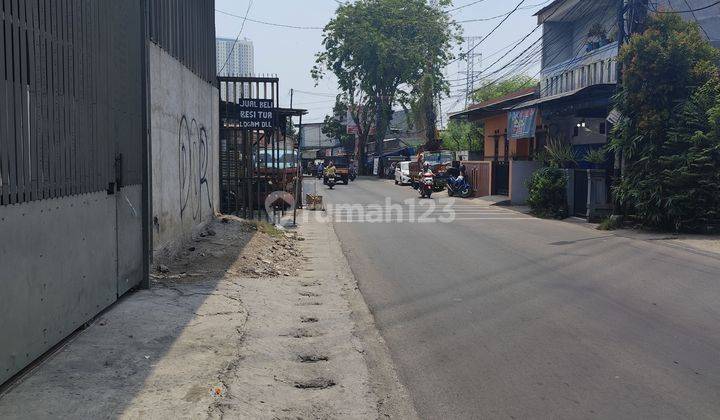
(617, 210)
(379, 141)
(638, 12)
(471, 75)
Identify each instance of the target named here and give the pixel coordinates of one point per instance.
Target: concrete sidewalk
(246, 323)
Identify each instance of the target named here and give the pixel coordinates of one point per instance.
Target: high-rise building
(241, 61)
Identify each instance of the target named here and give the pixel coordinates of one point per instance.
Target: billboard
(312, 137)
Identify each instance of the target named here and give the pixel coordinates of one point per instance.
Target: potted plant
(596, 157)
(597, 37)
(613, 36)
(560, 153)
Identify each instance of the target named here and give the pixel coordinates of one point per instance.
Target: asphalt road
(498, 315)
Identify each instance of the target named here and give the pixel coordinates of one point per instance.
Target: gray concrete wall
(708, 18)
(603, 12)
(590, 134)
(554, 51)
(185, 169)
(520, 172)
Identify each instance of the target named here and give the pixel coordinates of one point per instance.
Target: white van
(402, 173)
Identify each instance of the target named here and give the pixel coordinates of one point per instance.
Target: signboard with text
(255, 113)
(521, 123)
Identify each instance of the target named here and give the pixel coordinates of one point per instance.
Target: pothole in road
(309, 303)
(305, 333)
(316, 383)
(308, 319)
(312, 358)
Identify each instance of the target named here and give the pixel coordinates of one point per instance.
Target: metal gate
(254, 161)
(580, 193)
(501, 178)
(71, 136)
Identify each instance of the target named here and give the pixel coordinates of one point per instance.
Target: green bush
(609, 223)
(547, 190)
(670, 134)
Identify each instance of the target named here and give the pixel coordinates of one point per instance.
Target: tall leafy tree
(463, 135)
(377, 48)
(669, 134)
(334, 126)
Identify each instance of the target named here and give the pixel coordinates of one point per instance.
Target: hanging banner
(521, 123)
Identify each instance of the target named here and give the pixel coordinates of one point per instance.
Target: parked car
(402, 173)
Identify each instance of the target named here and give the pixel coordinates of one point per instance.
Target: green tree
(463, 135)
(547, 193)
(334, 128)
(377, 47)
(669, 134)
(290, 129)
(503, 87)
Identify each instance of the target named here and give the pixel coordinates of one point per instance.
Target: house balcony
(591, 68)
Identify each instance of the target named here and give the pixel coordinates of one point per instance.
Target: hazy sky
(290, 53)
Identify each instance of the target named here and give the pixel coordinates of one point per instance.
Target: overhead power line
(227, 59)
(280, 25)
(691, 10)
(464, 6)
(529, 6)
(534, 50)
(492, 31)
(321, 94)
(696, 19)
(486, 71)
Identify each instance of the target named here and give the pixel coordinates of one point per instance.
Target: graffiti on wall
(195, 152)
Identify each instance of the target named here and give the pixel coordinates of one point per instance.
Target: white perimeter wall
(520, 172)
(185, 178)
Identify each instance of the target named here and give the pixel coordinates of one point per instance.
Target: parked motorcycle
(458, 186)
(427, 183)
(330, 181)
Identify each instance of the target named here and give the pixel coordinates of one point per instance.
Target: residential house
(511, 138)
(494, 117)
(578, 74)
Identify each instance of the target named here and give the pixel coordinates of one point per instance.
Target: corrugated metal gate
(71, 135)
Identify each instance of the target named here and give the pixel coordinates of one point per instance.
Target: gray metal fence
(180, 28)
(58, 110)
(72, 206)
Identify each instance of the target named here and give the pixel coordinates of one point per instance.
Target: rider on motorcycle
(330, 170)
(427, 169)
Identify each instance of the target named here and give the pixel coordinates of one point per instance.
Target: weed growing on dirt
(609, 223)
(265, 227)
